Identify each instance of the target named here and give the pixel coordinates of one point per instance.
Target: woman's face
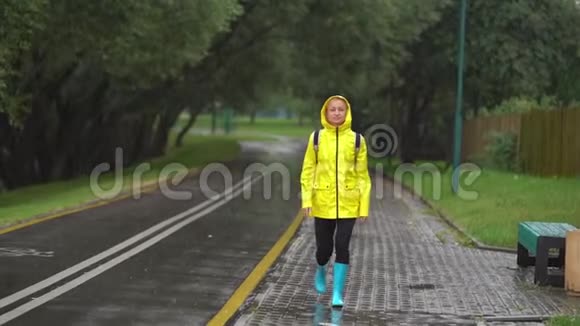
(336, 112)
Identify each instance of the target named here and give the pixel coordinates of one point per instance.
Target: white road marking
(20, 310)
(21, 252)
(113, 250)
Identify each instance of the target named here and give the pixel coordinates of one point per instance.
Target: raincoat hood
(347, 121)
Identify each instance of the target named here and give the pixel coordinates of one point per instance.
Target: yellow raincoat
(335, 187)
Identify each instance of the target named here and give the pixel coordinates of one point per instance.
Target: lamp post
(459, 100)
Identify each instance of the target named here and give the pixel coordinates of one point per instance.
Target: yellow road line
(251, 282)
(145, 188)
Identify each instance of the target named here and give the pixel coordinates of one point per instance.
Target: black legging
(324, 229)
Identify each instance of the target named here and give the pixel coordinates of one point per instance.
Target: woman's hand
(307, 211)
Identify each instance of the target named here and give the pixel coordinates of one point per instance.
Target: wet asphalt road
(183, 279)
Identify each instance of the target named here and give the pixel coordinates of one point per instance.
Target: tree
(82, 92)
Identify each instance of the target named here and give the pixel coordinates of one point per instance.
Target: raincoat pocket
(350, 196)
(323, 199)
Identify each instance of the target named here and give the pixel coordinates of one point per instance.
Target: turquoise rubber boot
(320, 279)
(340, 272)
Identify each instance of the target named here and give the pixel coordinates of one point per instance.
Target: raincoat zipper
(336, 173)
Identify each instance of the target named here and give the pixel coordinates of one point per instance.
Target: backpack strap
(356, 146)
(316, 136)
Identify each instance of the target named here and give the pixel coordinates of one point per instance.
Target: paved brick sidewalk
(401, 273)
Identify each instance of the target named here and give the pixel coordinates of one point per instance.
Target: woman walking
(335, 187)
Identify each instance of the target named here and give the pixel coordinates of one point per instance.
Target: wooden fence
(548, 141)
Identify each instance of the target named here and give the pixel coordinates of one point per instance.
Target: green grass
(564, 321)
(261, 126)
(29, 201)
(234, 136)
(503, 200)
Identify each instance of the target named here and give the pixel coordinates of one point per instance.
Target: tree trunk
(19, 165)
(192, 117)
(161, 134)
(29, 147)
(213, 119)
(253, 116)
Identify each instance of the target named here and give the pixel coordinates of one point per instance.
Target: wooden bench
(535, 241)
